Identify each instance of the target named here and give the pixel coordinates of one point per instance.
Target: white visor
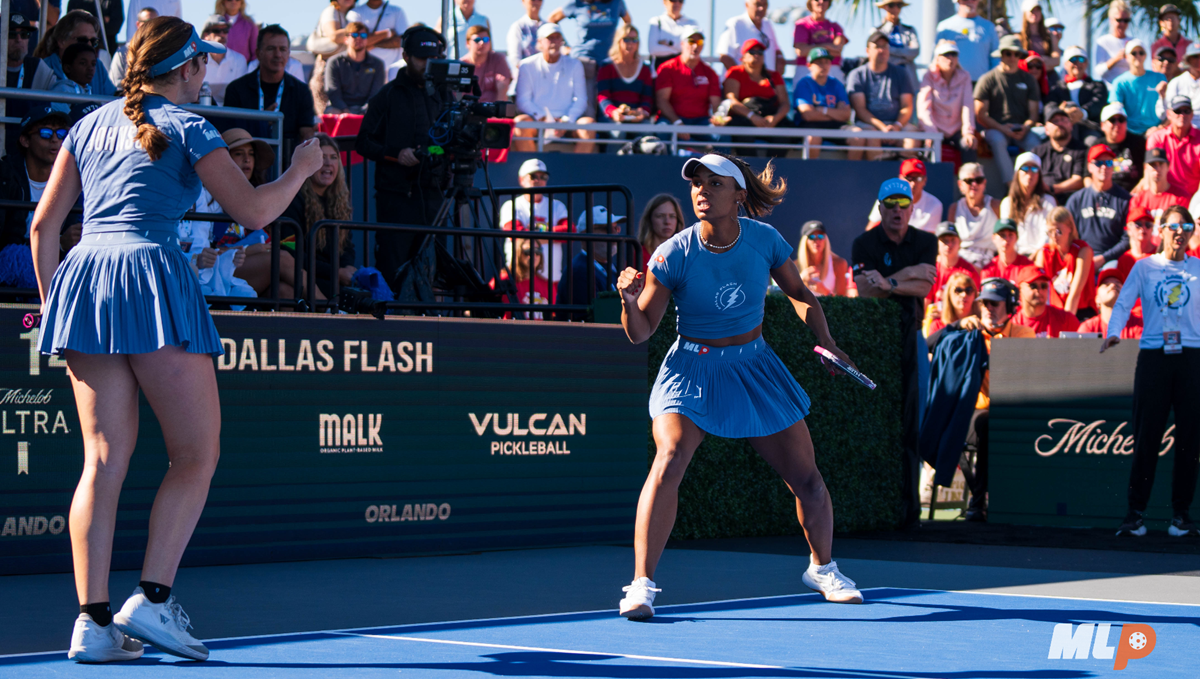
(719, 165)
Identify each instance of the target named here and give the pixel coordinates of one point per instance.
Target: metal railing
(731, 136)
(274, 118)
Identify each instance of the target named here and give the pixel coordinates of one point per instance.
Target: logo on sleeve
(660, 259)
(730, 296)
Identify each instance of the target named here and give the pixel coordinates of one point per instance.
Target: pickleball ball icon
(1137, 641)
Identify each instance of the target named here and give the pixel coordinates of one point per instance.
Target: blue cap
(895, 187)
(39, 114)
(191, 48)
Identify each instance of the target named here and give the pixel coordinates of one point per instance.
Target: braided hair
(156, 41)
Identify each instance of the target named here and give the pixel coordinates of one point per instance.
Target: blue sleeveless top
(123, 190)
(720, 295)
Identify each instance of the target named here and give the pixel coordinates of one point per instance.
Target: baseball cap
(876, 35)
(895, 187)
(810, 227)
(1054, 22)
(818, 53)
(530, 166)
(1028, 158)
(1074, 51)
(1010, 43)
(1114, 109)
(1193, 49)
(1163, 50)
(58, 112)
(20, 21)
(1110, 270)
(1054, 110)
(1168, 9)
(912, 166)
(946, 229)
(1099, 150)
(423, 42)
(1138, 214)
(1180, 100)
(751, 44)
(1156, 155)
(190, 49)
(599, 216)
(1004, 225)
(945, 47)
(1030, 273)
(688, 31)
(719, 165)
(1134, 44)
(1029, 5)
(995, 290)
(548, 29)
(215, 21)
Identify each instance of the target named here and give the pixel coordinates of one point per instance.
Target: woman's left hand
(239, 257)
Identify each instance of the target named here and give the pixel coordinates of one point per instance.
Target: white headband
(719, 165)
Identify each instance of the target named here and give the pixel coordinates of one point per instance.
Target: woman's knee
(670, 463)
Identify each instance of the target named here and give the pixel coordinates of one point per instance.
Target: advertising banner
(1062, 435)
(347, 436)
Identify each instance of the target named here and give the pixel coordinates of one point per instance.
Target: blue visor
(191, 48)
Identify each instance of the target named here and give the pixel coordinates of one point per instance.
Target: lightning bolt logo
(730, 296)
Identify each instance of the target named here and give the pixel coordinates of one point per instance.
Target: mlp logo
(1172, 293)
(730, 296)
(1068, 642)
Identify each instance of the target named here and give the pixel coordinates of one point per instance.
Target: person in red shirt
(1007, 263)
(958, 302)
(1142, 240)
(1035, 313)
(1111, 281)
(1067, 260)
(948, 262)
(687, 90)
(1181, 144)
(759, 97)
(1157, 194)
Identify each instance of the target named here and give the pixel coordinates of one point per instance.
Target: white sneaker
(162, 625)
(638, 603)
(92, 643)
(830, 582)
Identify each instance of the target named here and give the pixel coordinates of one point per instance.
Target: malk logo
(730, 296)
(346, 433)
(1069, 642)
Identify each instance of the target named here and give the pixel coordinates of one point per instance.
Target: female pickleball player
(126, 311)
(720, 377)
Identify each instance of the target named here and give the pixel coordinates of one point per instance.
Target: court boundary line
(360, 631)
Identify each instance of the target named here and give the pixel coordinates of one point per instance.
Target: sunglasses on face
(817, 236)
(756, 52)
(1166, 60)
(18, 35)
(1118, 120)
(1078, 60)
(1137, 53)
(914, 178)
(699, 42)
(1186, 228)
(964, 291)
(1102, 163)
(92, 42)
(1183, 111)
(972, 181)
(1142, 225)
(896, 203)
(364, 36)
(1039, 286)
(539, 177)
(47, 133)
(1035, 66)
(630, 39)
(478, 40)
(1122, 21)
(1030, 169)
(217, 31)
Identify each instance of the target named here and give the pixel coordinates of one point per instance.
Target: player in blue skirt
(125, 310)
(720, 377)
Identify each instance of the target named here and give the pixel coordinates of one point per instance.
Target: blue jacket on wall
(955, 375)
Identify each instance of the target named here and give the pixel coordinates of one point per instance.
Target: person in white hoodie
(551, 88)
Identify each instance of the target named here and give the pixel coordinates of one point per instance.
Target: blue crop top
(123, 190)
(720, 295)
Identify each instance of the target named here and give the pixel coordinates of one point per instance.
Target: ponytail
(763, 190)
(157, 40)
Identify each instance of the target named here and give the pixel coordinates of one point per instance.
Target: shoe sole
(849, 600)
(1175, 532)
(642, 612)
(164, 645)
(110, 655)
(1132, 533)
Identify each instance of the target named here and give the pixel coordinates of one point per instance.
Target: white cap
(530, 166)
(1027, 158)
(720, 165)
(1193, 49)
(1028, 5)
(1133, 44)
(1073, 51)
(548, 29)
(1114, 109)
(945, 47)
(689, 31)
(1054, 22)
(599, 216)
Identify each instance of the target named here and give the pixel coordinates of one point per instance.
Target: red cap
(1099, 150)
(751, 44)
(1029, 274)
(1137, 214)
(1111, 270)
(912, 166)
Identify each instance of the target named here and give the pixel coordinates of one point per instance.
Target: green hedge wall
(729, 491)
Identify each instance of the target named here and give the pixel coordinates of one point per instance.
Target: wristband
(678, 121)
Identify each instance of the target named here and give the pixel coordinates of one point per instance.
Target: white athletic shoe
(92, 643)
(164, 626)
(638, 603)
(830, 582)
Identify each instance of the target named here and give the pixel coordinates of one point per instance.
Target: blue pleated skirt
(129, 292)
(731, 392)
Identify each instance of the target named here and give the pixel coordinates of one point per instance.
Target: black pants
(1162, 383)
(977, 435)
(910, 394)
(393, 249)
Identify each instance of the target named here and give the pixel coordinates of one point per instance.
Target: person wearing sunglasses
(949, 263)
(821, 270)
(752, 24)
(22, 66)
(1155, 194)
(905, 44)
(1187, 83)
(1079, 88)
(1114, 128)
(1110, 47)
(687, 90)
(1027, 203)
(899, 262)
(974, 215)
(1008, 262)
(1169, 23)
(1100, 208)
(881, 96)
(1168, 367)
(77, 27)
(491, 68)
(958, 295)
(356, 75)
(1035, 310)
(1180, 140)
(551, 87)
(1138, 90)
(1143, 241)
(625, 84)
(946, 101)
(1166, 62)
(25, 173)
(222, 68)
(1007, 103)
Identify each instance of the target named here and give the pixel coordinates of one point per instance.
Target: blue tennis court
(896, 633)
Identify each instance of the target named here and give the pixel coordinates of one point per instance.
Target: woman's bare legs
(790, 453)
(676, 438)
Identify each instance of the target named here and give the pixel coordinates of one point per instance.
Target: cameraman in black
(395, 129)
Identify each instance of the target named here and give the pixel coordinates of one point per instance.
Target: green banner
(1062, 435)
(346, 436)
